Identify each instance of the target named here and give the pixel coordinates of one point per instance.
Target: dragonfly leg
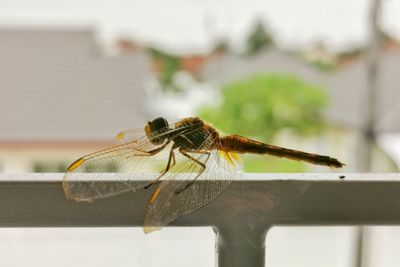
(203, 165)
(173, 160)
(170, 159)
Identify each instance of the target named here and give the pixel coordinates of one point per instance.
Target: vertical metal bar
(368, 128)
(368, 131)
(368, 135)
(359, 244)
(240, 246)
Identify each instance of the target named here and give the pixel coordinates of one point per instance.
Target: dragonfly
(189, 150)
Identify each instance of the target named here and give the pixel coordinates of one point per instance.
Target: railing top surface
(254, 199)
(244, 177)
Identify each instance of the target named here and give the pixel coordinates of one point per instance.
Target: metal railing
(241, 216)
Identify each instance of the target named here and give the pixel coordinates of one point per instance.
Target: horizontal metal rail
(241, 216)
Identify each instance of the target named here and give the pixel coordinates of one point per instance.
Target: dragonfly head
(154, 128)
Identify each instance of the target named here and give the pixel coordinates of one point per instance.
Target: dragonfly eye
(154, 128)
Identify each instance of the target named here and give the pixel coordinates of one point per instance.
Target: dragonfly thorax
(154, 128)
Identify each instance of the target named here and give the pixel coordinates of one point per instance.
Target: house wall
(28, 157)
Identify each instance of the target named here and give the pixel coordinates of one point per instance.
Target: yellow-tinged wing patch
(235, 156)
(231, 157)
(76, 164)
(226, 156)
(149, 229)
(120, 136)
(154, 196)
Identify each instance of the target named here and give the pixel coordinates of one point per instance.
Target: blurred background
(319, 76)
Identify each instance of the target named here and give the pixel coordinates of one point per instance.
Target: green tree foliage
(262, 105)
(168, 66)
(259, 39)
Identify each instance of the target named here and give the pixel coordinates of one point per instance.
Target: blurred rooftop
(346, 86)
(56, 84)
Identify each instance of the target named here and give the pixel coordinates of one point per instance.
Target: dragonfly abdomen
(240, 144)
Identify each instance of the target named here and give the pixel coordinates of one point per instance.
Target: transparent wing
(128, 136)
(172, 199)
(136, 158)
(127, 158)
(131, 135)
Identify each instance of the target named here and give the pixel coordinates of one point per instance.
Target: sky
(194, 25)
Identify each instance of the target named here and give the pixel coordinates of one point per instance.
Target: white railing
(241, 216)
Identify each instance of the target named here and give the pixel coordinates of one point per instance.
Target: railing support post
(240, 246)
